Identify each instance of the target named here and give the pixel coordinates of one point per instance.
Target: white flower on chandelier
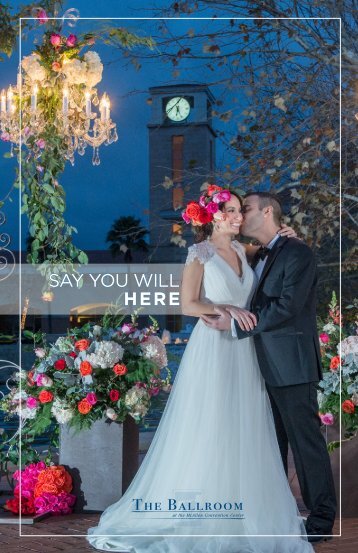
(89, 71)
(94, 68)
(34, 71)
(75, 71)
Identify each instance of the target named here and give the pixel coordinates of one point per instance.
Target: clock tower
(181, 159)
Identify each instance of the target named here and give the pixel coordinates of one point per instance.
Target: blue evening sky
(96, 196)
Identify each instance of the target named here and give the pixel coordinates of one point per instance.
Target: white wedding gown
(215, 444)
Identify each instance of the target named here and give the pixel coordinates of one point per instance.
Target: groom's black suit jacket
(284, 302)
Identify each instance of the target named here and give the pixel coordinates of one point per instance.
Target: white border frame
(340, 265)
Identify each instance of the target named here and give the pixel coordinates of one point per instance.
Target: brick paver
(77, 524)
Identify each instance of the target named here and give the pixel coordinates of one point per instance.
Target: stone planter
(102, 462)
(349, 452)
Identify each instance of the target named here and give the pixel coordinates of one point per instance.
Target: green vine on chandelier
(45, 150)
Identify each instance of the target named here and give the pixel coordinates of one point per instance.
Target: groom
(288, 352)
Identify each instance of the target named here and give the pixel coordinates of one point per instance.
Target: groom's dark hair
(266, 199)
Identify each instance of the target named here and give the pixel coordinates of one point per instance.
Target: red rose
(348, 406)
(45, 396)
(72, 354)
(60, 364)
(114, 395)
(204, 216)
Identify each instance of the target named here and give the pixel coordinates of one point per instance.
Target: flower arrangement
(91, 373)
(43, 489)
(207, 209)
(340, 364)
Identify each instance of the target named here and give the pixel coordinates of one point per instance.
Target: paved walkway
(32, 541)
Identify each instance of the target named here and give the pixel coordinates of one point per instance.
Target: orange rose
(335, 363)
(348, 407)
(45, 396)
(54, 479)
(212, 188)
(192, 210)
(81, 345)
(84, 406)
(85, 368)
(120, 370)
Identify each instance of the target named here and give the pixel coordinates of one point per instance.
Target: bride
(212, 480)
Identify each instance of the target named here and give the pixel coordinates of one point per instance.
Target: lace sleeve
(201, 251)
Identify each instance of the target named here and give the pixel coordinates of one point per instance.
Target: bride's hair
(203, 232)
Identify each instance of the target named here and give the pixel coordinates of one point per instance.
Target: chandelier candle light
(56, 87)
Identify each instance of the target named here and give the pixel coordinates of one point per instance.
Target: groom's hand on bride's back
(247, 321)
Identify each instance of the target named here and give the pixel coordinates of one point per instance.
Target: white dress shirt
(258, 272)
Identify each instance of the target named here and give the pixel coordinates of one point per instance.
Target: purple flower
(71, 41)
(31, 402)
(91, 398)
(212, 207)
(41, 143)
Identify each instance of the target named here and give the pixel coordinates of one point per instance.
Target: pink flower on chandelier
(42, 16)
(55, 39)
(71, 41)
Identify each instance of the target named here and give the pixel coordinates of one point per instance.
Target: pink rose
(44, 380)
(55, 39)
(40, 353)
(71, 41)
(185, 217)
(56, 66)
(42, 16)
(223, 196)
(127, 328)
(91, 398)
(327, 419)
(41, 143)
(324, 338)
(5, 137)
(202, 201)
(212, 207)
(31, 402)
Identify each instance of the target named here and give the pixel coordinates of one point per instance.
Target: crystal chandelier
(73, 115)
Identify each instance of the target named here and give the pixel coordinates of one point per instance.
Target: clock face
(177, 109)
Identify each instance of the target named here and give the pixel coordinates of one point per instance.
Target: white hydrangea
(94, 68)
(348, 346)
(137, 401)
(26, 413)
(106, 355)
(64, 344)
(75, 71)
(61, 411)
(153, 348)
(33, 69)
